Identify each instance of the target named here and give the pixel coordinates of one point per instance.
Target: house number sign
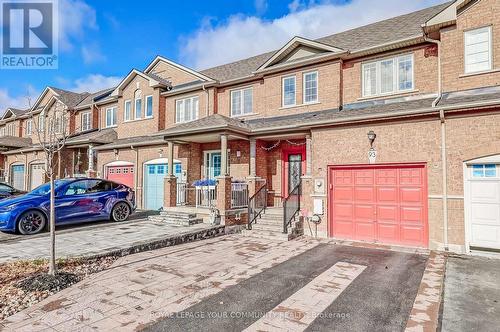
(372, 156)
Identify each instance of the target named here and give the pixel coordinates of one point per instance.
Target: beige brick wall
(175, 75)
(416, 141)
(205, 107)
(425, 71)
(267, 92)
(481, 14)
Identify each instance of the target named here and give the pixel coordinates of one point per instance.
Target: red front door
(294, 165)
(379, 203)
(121, 174)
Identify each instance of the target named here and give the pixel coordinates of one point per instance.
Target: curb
(424, 315)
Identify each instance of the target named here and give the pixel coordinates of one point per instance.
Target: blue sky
(101, 41)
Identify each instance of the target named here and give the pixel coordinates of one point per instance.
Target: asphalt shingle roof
(378, 33)
(14, 142)
(104, 136)
(68, 98)
(92, 97)
(214, 121)
(470, 96)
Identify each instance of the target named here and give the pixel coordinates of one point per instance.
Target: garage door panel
(387, 204)
(343, 193)
(366, 194)
(343, 178)
(121, 174)
(485, 191)
(486, 213)
(486, 234)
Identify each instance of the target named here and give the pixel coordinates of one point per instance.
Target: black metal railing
(257, 205)
(291, 206)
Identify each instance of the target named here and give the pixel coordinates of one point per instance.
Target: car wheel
(120, 212)
(31, 222)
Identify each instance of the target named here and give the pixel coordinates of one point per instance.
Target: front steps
(270, 226)
(176, 218)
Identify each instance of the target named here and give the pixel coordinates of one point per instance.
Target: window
(388, 76)
(484, 171)
(310, 87)
(11, 129)
(151, 169)
(288, 91)
(186, 109)
(58, 125)
(128, 110)
(28, 127)
(241, 102)
(478, 50)
(138, 104)
(111, 117)
(149, 106)
(41, 121)
(86, 121)
(2, 131)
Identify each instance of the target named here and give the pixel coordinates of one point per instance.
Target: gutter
(127, 145)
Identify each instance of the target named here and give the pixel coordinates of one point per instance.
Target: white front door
(483, 200)
(37, 175)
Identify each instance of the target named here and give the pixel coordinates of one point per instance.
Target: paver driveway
(235, 283)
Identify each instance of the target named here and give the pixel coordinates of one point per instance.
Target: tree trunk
(52, 225)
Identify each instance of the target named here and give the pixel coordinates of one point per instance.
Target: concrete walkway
(95, 239)
(471, 295)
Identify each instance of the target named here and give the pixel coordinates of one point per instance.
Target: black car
(7, 191)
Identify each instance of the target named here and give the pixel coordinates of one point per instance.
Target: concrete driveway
(237, 283)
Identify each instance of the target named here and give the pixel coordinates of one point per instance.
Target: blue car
(76, 200)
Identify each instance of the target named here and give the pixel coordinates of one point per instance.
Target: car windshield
(45, 188)
(4, 187)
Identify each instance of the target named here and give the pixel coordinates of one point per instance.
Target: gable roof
(69, 98)
(94, 97)
(154, 80)
(208, 123)
(160, 58)
(14, 112)
(384, 32)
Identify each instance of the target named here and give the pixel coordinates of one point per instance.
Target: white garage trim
(467, 176)
(160, 161)
(119, 163)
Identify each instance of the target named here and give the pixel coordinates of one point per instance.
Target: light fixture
(238, 153)
(371, 137)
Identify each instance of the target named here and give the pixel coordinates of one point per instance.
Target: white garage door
(483, 200)
(37, 175)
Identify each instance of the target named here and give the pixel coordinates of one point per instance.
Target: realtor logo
(29, 34)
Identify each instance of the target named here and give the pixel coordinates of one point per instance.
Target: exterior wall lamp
(371, 137)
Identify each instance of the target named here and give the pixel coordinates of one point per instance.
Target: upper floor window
(289, 91)
(138, 104)
(111, 117)
(386, 76)
(2, 131)
(11, 129)
(478, 50)
(310, 87)
(41, 121)
(186, 109)
(28, 127)
(86, 121)
(241, 102)
(128, 110)
(58, 125)
(149, 106)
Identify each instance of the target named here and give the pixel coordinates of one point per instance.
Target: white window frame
(129, 117)
(182, 112)
(136, 99)
(84, 121)
(146, 106)
(283, 91)
(490, 49)
(396, 89)
(304, 87)
(28, 129)
(41, 121)
(113, 111)
(242, 101)
(2, 131)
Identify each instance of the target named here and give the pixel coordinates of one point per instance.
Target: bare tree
(52, 130)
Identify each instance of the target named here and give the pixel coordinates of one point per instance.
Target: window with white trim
(41, 121)
(241, 102)
(127, 108)
(310, 87)
(11, 129)
(186, 109)
(111, 117)
(28, 127)
(288, 84)
(2, 131)
(138, 104)
(478, 51)
(149, 106)
(86, 121)
(484, 171)
(387, 76)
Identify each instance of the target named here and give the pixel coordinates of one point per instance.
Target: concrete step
(263, 234)
(265, 221)
(268, 227)
(176, 221)
(175, 214)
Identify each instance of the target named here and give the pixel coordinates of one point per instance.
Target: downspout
(208, 99)
(136, 173)
(443, 143)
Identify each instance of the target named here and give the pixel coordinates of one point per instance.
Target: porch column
(253, 155)
(170, 183)
(223, 157)
(90, 154)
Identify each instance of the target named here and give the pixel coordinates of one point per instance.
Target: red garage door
(121, 174)
(383, 203)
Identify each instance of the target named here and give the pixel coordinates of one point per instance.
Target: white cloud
(91, 54)
(93, 83)
(21, 101)
(75, 18)
(243, 36)
(260, 6)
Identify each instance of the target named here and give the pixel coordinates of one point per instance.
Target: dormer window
(478, 50)
(138, 104)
